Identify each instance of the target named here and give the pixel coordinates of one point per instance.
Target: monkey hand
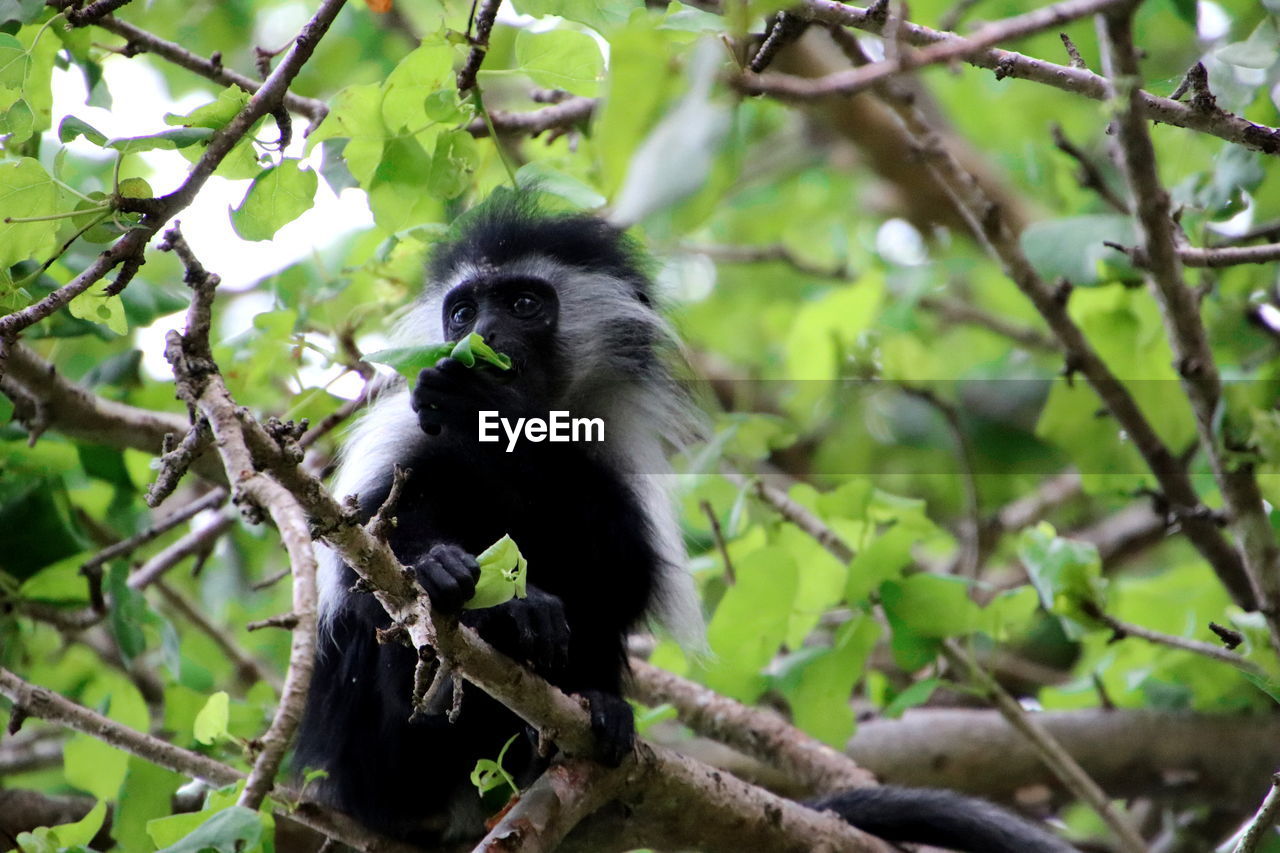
(532, 630)
(613, 723)
(449, 576)
(451, 395)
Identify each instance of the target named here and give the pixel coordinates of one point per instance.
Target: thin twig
(211, 500)
(94, 12)
(1073, 52)
(286, 621)
(1090, 176)
(774, 253)
(194, 543)
(959, 312)
(1260, 826)
(486, 12)
(1122, 630)
(1064, 767)
(730, 576)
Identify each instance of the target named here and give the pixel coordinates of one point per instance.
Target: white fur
(644, 412)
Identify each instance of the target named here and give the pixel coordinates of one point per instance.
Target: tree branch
(1229, 256)
(140, 41)
(566, 114)
(1260, 826)
(1197, 759)
(1180, 309)
(200, 384)
(1078, 81)
(47, 705)
(952, 48)
(566, 793)
(812, 764)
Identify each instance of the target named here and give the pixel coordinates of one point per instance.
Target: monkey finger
(614, 725)
(457, 562)
(442, 587)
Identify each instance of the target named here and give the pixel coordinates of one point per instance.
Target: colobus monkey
(566, 297)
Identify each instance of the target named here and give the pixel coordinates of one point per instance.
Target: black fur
(508, 228)
(940, 819)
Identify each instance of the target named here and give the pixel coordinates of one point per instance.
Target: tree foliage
(986, 401)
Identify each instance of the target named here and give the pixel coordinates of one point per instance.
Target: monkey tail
(939, 819)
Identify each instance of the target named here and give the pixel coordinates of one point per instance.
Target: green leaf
(603, 16)
(750, 623)
(410, 361)
(454, 159)
(168, 140)
(1260, 50)
(425, 69)
(1066, 574)
(641, 78)
(1073, 248)
(936, 606)
(26, 189)
(82, 831)
(22, 11)
(128, 612)
(215, 114)
(1185, 10)
(278, 196)
(211, 723)
(678, 156)
(884, 558)
(95, 767)
(917, 694)
(35, 527)
(561, 59)
(820, 698)
(231, 830)
(503, 575)
(13, 62)
(96, 306)
(19, 122)
(72, 127)
(489, 774)
(472, 348)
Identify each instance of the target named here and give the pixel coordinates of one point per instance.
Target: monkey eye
(525, 306)
(462, 314)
